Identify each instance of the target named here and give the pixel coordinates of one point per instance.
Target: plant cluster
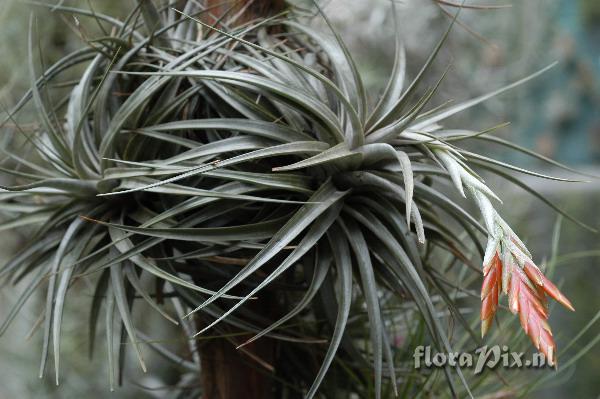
(203, 166)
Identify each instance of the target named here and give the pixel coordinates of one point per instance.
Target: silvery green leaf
(453, 169)
(487, 211)
(471, 181)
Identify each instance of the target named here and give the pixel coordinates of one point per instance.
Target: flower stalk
(507, 264)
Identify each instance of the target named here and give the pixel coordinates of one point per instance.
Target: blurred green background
(557, 115)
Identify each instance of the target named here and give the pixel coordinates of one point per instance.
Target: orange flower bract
(526, 287)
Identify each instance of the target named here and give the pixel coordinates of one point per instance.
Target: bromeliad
(224, 163)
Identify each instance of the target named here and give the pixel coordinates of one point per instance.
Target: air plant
(229, 162)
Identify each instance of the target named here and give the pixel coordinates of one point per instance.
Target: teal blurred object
(567, 107)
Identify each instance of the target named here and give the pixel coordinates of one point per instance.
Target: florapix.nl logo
(485, 357)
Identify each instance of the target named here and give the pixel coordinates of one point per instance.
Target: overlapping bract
(507, 266)
(512, 272)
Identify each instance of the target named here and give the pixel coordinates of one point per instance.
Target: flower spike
(507, 264)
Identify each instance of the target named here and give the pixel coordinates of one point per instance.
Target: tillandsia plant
(224, 164)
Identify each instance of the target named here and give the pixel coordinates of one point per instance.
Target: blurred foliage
(555, 115)
(19, 363)
(60, 34)
(590, 11)
(578, 257)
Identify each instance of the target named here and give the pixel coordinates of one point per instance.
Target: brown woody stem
(229, 373)
(250, 9)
